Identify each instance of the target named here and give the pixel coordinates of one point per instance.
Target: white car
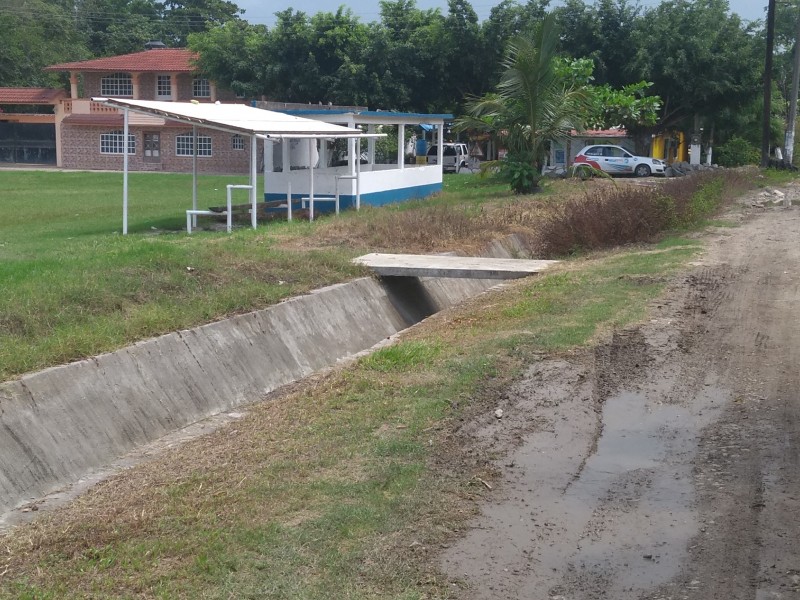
(454, 156)
(615, 160)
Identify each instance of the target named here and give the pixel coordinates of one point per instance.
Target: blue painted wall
(373, 199)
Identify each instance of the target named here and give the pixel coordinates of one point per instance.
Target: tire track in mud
(665, 464)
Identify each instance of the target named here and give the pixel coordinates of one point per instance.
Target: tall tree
(406, 57)
(507, 20)
(183, 17)
(34, 34)
(602, 32)
(700, 58)
(119, 26)
(233, 55)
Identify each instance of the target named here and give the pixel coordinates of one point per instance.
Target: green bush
(737, 152)
(520, 173)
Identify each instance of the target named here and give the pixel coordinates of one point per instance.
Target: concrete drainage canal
(59, 426)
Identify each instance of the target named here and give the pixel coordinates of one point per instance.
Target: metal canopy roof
(238, 118)
(377, 117)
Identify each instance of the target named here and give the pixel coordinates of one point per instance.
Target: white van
(455, 156)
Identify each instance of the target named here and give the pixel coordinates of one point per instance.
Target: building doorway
(152, 147)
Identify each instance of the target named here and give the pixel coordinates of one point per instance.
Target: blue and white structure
(327, 170)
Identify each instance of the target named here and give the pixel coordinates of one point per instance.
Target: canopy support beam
(253, 179)
(125, 128)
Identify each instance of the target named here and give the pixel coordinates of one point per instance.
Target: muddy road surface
(664, 464)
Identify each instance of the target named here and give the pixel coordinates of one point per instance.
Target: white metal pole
(401, 147)
(289, 200)
(440, 146)
(125, 173)
(351, 156)
(229, 206)
(194, 173)
(358, 174)
(253, 179)
(371, 145)
(287, 174)
(310, 180)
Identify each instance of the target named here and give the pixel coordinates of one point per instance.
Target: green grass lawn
(73, 286)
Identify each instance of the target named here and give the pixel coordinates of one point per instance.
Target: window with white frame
(201, 88)
(118, 84)
(112, 142)
(184, 146)
(164, 86)
(237, 142)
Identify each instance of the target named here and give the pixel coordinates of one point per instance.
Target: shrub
(630, 214)
(737, 152)
(520, 173)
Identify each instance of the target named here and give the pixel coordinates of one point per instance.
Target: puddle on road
(617, 524)
(635, 494)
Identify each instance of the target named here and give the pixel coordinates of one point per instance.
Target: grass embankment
(344, 487)
(74, 287)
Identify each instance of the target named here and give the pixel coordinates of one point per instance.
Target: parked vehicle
(615, 160)
(455, 156)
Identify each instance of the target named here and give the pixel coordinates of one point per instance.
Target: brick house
(89, 134)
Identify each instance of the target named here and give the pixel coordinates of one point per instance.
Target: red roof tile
(173, 60)
(30, 95)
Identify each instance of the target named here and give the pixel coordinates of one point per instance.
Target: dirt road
(664, 464)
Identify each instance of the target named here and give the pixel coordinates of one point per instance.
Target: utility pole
(768, 84)
(791, 121)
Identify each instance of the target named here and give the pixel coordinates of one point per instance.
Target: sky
(262, 11)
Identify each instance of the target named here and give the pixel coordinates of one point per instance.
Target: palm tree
(532, 106)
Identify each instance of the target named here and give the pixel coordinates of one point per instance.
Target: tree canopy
(701, 61)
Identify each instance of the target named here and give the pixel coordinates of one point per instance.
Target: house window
(112, 143)
(201, 88)
(237, 142)
(184, 147)
(118, 84)
(164, 86)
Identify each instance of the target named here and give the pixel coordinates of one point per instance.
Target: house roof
(173, 60)
(30, 95)
(237, 118)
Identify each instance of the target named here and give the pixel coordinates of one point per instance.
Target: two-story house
(89, 135)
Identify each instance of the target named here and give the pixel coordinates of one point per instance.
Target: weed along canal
(622, 425)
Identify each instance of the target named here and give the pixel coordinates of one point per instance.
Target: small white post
(125, 173)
